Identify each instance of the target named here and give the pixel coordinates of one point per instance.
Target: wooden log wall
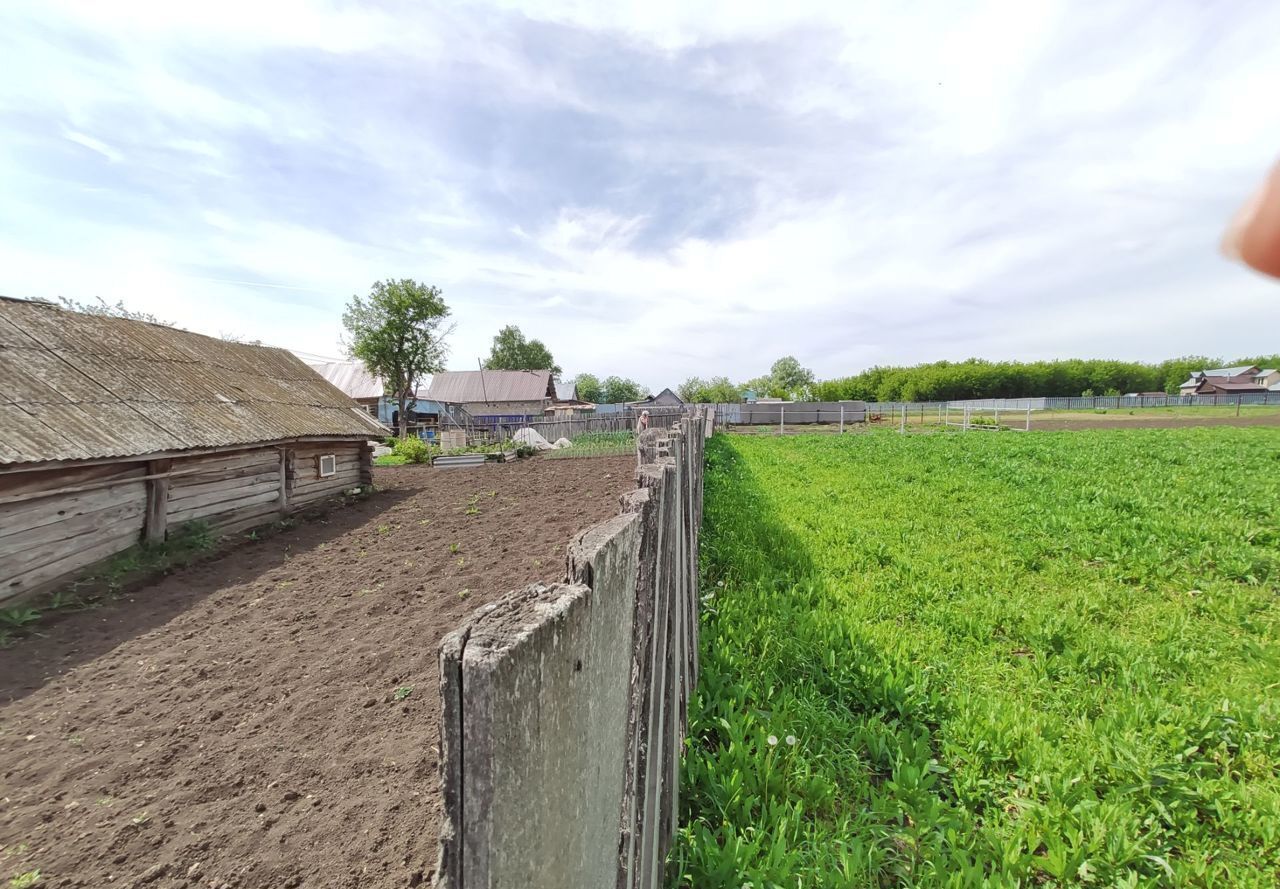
(305, 483)
(55, 523)
(46, 538)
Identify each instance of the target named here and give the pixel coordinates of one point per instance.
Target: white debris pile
(562, 443)
(532, 438)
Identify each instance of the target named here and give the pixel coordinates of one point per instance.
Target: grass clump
(1006, 661)
(183, 545)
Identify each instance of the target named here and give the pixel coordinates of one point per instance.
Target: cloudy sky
(657, 189)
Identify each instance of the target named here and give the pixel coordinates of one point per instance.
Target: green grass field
(1005, 660)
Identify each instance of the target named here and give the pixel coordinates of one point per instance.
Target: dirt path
(269, 718)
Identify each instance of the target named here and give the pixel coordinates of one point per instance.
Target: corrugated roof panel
(25, 432)
(463, 386)
(59, 379)
(83, 386)
(19, 385)
(352, 377)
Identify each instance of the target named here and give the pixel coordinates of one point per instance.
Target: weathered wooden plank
(18, 517)
(312, 494)
(236, 524)
(349, 476)
(224, 506)
(87, 523)
(283, 471)
(50, 575)
(228, 490)
(155, 525)
(180, 480)
(300, 485)
(71, 552)
(218, 462)
(188, 492)
(19, 469)
(16, 484)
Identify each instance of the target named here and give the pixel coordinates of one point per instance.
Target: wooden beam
(157, 520)
(14, 468)
(284, 479)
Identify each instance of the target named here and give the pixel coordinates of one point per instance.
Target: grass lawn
(1006, 660)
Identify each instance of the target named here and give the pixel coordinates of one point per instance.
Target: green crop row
(966, 660)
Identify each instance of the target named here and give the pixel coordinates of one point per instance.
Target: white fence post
(903, 430)
(842, 419)
(782, 419)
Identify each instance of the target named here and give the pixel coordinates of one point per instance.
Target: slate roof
(466, 386)
(355, 380)
(81, 387)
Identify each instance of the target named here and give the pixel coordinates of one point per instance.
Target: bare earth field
(268, 719)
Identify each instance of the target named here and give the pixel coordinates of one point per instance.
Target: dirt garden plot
(269, 718)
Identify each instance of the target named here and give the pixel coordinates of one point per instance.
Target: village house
(665, 398)
(367, 390)
(117, 432)
(1243, 380)
(495, 396)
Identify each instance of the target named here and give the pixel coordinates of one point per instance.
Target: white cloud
(643, 184)
(93, 144)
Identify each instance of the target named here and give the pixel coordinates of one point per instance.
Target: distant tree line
(975, 378)
(610, 390)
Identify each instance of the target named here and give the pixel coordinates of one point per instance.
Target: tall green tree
(789, 379)
(511, 351)
(589, 388)
(717, 390)
(620, 389)
(398, 332)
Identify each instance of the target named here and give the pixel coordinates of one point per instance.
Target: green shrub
(413, 449)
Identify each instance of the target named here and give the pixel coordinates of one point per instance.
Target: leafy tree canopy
(620, 389)
(589, 388)
(717, 390)
(789, 379)
(511, 351)
(397, 331)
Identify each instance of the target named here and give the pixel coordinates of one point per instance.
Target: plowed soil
(268, 719)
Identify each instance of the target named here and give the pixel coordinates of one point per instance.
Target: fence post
(997, 415)
(842, 419)
(782, 419)
(903, 430)
(1028, 416)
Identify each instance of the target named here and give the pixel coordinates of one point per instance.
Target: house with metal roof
(1243, 380)
(367, 390)
(115, 432)
(665, 398)
(495, 395)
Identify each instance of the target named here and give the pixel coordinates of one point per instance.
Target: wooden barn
(115, 431)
